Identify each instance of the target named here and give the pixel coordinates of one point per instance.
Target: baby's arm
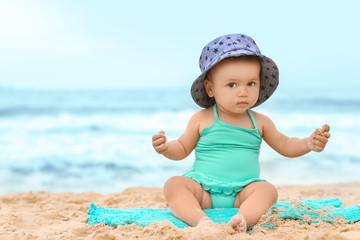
(292, 147)
(181, 148)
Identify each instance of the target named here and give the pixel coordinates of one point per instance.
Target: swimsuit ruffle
(219, 186)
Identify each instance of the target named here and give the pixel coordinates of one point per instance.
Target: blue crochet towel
(286, 210)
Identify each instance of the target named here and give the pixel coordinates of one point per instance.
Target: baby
(227, 135)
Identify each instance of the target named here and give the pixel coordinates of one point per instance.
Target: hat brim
(269, 79)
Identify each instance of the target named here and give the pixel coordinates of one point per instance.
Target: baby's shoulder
(203, 118)
(258, 115)
(261, 119)
(203, 115)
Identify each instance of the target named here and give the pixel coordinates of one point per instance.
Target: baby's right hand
(159, 142)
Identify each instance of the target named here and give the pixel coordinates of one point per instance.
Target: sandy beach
(46, 215)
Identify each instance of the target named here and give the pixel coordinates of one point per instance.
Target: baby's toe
(238, 223)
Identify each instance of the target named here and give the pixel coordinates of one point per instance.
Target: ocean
(100, 140)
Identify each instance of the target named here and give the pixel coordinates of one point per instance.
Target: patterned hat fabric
(234, 45)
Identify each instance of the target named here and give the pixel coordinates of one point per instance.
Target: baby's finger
(318, 143)
(159, 141)
(327, 134)
(161, 148)
(162, 133)
(325, 128)
(318, 149)
(316, 133)
(321, 139)
(157, 136)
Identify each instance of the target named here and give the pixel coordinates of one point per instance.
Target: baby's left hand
(319, 138)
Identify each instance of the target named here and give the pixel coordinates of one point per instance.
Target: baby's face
(234, 83)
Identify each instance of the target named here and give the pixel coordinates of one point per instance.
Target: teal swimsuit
(227, 159)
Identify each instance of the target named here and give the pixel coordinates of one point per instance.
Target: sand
(45, 215)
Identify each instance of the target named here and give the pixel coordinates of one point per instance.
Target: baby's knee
(271, 192)
(173, 183)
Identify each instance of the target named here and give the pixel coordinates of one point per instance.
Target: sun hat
(234, 45)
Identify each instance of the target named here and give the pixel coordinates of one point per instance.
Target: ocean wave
(92, 102)
(100, 141)
(83, 111)
(144, 123)
(31, 103)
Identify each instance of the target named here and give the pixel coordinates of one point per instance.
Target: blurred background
(85, 84)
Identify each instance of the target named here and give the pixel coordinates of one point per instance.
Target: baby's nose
(242, 92)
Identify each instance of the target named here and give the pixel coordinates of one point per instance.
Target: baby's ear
(208, 87)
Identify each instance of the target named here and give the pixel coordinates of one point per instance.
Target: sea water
(100, 140)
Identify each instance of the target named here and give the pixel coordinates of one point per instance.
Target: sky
(110, 44)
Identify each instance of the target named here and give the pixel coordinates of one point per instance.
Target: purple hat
(234, 45)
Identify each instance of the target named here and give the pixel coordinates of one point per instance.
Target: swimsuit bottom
(222, 192)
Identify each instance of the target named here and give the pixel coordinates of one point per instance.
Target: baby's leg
(186, 199)
(253, 202)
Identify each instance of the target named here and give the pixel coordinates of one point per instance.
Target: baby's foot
(205, 221)
(238, 223)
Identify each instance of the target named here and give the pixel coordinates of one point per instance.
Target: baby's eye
(232, 85)
(251, 84)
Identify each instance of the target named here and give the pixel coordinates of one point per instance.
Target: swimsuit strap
(215, 113)
(252, 118)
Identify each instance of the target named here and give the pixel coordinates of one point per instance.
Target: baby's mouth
(242, 103)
